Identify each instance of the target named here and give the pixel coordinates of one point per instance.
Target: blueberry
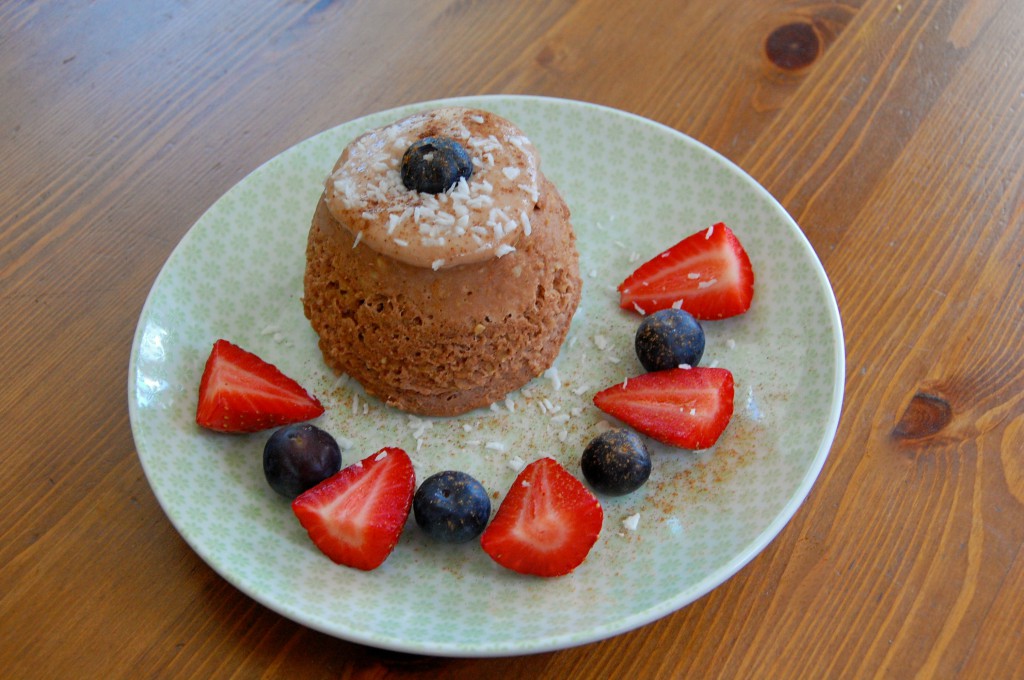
(298, 457)
(616, 462)
(669, 338)
(451, 507)
(435, 164)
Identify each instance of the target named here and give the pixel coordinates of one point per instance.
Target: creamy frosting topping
(478, 218)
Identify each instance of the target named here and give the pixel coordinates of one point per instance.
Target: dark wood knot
(926, 414)
(793, 46)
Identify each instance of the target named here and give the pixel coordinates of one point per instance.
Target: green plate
(635, 187)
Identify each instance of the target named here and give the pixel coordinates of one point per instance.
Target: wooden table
(893, 132)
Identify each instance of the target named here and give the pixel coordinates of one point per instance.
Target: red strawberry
(239, 392)
(356, 516)
(708, 274)
(546, 524)
(684, 407)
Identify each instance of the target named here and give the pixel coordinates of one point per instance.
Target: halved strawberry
(547, 523)
(239, 392)
(708, 274)
(684, 407)
(357, 516)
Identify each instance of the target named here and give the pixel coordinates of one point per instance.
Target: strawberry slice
(239, 392)
(708, 274)
(684, 407)
(356, 516)
(547, 523)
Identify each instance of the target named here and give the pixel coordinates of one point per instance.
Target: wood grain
(892, 131)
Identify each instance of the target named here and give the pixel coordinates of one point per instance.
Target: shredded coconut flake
(503, 250)
(530, 189)
(552, 375)
(639, 309)
(358, 238)
(525, 219)
(516, 463)
(706, 284)
(437, 264)
(631, 522)
(709, 232)
(393, 221)
(496, 446)
(381, 456)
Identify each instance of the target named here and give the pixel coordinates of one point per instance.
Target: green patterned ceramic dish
(635, 187)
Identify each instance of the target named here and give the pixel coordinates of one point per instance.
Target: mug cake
(441, 265)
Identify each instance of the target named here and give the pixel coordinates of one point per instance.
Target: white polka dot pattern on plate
(635, 188)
